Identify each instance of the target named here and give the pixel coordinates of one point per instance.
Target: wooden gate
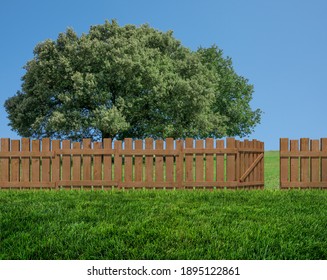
(131, 164)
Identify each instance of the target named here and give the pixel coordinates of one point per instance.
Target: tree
(129, 82)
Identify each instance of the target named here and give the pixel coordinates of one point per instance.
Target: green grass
(271, 170)
(163, 225)
(152, 224)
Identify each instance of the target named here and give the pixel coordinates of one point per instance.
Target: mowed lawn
(271, 170)
(158, 224)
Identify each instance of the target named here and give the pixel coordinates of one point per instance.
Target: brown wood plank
(27, 184)
(4, 166)
(199, 160)
(138, 162)
(257, 167)
(213, 151)
(66, 161)
(323, 149)
(107, 160)
(170, 161)
(88, 183)
(46, 173)
(230, 171)
(118, 162)
(209, 167)
(36, 146)
(97, 162)
(220, 162)
(241, 159)
(252, 160)
(159, 168)
(128, 160)
(314, 161)
(77, 163)
(237, 163)
(86, 160)
(283, 162)
(149, 160)
(25, 161)
(262, 165)
(15, 161)
(303, 154)
(304, 185)
(180, 163)
(294, 175)
(189, 161)
(304, 161)
(55, 165)
(247, 157)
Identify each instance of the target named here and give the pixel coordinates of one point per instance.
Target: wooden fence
(304, 165)
(127, 164)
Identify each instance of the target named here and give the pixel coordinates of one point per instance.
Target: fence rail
(131, 163)
(303, 164)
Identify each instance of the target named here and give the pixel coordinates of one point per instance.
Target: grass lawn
(256, 224)
(271, 170)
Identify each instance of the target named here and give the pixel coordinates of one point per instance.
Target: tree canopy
(129, 81)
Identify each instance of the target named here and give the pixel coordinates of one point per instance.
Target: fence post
(323, 148)
(283, 168)
(5, 171)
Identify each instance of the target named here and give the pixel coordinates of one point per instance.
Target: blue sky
(279, 45)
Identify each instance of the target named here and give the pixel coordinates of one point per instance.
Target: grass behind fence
(271, 170)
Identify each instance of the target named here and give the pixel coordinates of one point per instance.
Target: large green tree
(129, 82)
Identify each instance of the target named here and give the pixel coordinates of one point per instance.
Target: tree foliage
(129, 82)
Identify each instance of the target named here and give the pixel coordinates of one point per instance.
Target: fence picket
(230, 172)
(66, 161)
(15, 162)
(314, 161)
(170, 161)
(304, 162)
(77, 162)
(97, 162)
(107, 161)
(159, 168)
(294, 174)
(189, 160)
(199, 159)
(25, 160)
(179, 164)
(5, 147)
(86, 160)
(46, 173)
(283, 163)
(118, 163)
(138, 161)
(209, 166)
(149, 160)
(55, 145)
(128, 160)
(220, 162)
